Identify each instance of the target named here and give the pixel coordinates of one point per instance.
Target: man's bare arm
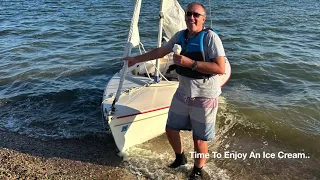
(153, 54)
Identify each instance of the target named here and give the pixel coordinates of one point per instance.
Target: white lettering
(254, 155)
(291, 155)
(217, 155)
(235, 155)
(199, 155)
(268, 155)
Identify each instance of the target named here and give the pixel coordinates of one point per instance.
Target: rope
(211, 16)
(160, 73)
(144, 64)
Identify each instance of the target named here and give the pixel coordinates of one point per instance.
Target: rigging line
(144, 64)
(160, 73)
(211, 16)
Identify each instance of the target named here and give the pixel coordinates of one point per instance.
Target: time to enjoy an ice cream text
(250, 155)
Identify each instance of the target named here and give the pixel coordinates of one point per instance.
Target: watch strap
(194, 66)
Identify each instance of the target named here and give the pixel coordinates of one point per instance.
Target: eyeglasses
(196, 15)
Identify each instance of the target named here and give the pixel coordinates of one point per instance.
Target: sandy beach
(22, 157)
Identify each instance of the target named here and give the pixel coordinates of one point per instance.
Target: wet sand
(22, 157)
(259, 167)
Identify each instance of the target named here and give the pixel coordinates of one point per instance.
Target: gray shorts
(196, 114)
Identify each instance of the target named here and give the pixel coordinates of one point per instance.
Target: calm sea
(56, 58)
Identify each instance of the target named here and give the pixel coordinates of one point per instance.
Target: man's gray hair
(197, 3)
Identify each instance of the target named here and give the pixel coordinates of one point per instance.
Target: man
(195, 103)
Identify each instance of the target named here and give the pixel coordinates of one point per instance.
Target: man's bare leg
(200, 147)
(174, 140)
(176, 144)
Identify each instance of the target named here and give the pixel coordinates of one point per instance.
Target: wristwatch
(194, 66)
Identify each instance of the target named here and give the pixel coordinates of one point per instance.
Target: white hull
(140, 114)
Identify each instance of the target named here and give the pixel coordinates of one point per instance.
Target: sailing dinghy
(135, 104)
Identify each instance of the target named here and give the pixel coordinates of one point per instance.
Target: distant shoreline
(88, 157)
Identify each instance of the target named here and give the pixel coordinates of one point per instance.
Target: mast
(156, 74)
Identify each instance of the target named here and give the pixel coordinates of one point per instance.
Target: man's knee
(198, 142)
(170, 131)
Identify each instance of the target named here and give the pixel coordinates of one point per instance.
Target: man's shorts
(196, 114)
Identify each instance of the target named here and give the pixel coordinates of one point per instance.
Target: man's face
(195, 18)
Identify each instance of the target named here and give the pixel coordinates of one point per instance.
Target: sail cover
(174, 15)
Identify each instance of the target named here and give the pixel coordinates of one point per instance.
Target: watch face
(194, 65)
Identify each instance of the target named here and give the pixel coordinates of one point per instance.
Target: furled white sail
(133, 40)
(133, 36)
(174, 17)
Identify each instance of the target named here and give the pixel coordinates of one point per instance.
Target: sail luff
(156, 76)
(133, 40)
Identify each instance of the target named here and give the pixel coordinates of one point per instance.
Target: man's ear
(204, 18)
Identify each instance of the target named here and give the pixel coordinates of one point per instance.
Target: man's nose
(191, 17)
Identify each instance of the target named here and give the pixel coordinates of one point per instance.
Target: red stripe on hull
(145, 112)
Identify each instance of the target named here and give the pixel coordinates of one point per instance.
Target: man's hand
(131, 61)
(183, 61)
